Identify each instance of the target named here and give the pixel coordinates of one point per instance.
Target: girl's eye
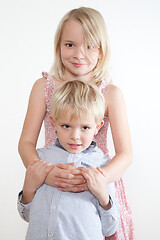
(89, 47)
(85, 128)
(69, 45)
(65, 126)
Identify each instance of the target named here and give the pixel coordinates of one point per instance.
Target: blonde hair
(94, 29)
(80, 98)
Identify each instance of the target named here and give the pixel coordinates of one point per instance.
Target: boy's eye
(69, 45)
(65, 126)
(85, 128)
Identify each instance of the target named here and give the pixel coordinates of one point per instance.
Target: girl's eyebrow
(65, 40)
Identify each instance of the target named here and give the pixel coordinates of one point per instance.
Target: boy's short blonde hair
(80, 99)
(95, 33)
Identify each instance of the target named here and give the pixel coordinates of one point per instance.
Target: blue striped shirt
(58, 215)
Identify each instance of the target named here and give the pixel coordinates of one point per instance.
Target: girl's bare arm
(33, 122)
(28, 140)
(116, 112)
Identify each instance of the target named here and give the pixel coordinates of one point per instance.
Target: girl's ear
(98, 127)
(100, 53)
(51, 119)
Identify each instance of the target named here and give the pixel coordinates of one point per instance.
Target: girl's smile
(77, 59)
(78, 64)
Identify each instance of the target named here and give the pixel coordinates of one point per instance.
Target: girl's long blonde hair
(94, 29)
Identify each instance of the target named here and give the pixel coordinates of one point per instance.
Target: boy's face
(76, 135)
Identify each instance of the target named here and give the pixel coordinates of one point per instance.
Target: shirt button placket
(53, 214)
(53, 207)
(50, 235)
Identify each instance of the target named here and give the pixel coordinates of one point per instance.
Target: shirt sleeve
(109, 218)
(23, 209)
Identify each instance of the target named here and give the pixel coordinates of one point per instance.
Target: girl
(82, 52)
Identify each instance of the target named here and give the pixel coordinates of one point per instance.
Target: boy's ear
(99, 126)
(51, 119)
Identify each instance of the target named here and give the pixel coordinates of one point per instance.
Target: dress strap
(103, 86)
(49, 88)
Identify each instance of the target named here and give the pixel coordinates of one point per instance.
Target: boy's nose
(75, 134)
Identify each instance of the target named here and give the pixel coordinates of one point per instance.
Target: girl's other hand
(36, 174)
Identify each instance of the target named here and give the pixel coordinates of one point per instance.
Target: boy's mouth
(74, 146)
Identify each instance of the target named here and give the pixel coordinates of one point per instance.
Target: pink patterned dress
(126, 227)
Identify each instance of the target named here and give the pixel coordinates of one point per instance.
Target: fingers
(86, 169)
(76, 171)
(78, 188)
(40, 167)
(70, 167)
(65, 174)
(90, 174)
(100, 170)
(89, 170)
(66, 166)
(68, 183)
(64, 185)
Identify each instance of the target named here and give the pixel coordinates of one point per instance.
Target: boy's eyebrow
(63, 123)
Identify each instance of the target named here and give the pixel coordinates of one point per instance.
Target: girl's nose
(79, 53)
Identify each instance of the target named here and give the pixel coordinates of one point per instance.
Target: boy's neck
(90, 148)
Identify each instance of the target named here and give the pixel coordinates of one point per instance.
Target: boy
(77, 111)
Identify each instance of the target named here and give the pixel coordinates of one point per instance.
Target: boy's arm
(106, 203)
(97, 183)
(109, 218)
(23, 209)
(35, 176)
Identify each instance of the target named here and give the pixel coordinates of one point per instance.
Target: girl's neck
(66, 77)
(70, 77)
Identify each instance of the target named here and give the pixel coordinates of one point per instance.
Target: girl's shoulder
(45, 81)
(49, 79)
(112, 91)
(51, 84)
(113, 96)
(38, 87)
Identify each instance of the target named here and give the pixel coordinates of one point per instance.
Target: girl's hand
(97, 184)
(36, 174)
(67, 178)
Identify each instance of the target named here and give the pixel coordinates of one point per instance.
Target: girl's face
(78, 60)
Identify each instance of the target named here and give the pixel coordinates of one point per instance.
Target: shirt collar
(91, 148)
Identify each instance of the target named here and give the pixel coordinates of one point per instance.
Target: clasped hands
(68, 178)
(65, 177)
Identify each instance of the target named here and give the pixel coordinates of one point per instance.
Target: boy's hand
(67, 178)
(97, 184)
(36, 174)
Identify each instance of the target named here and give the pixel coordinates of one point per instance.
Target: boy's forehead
(71, 114)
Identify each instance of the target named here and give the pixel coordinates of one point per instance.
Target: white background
(26, 49)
